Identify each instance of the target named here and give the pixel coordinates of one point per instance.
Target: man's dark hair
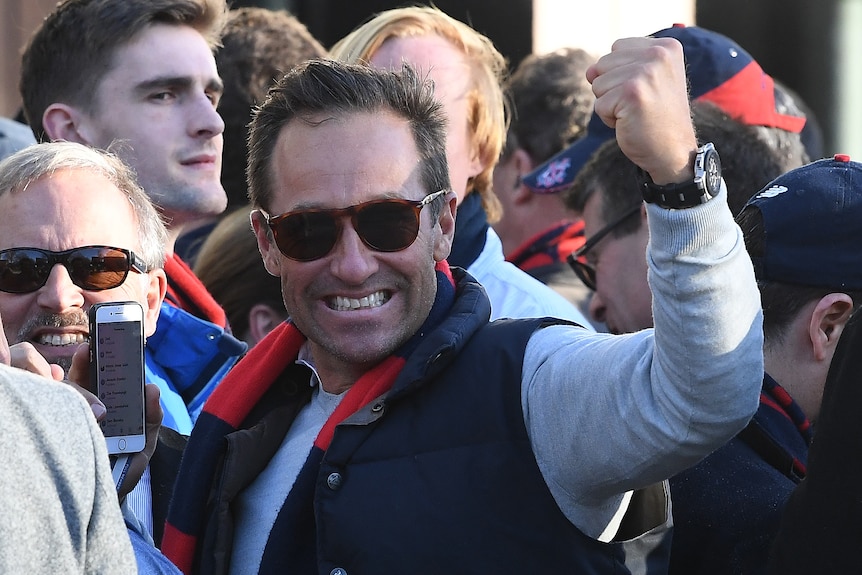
(551, 102)
(74, 47)
(748, 162)
(258, 47)
(615, 177)
(790, 102)
(781, 302)
(321, 89)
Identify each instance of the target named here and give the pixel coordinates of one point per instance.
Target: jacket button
(338, 571)
(377, 407)
(334, 483)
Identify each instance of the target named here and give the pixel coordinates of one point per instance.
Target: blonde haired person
(467, 71)
(482, 92)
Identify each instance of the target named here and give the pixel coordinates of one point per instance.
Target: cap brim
(558, 173)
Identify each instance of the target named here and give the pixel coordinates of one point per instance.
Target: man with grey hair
(62, 204)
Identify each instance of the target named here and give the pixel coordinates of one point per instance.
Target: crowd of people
(409, 310)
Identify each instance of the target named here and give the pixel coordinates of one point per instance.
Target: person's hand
(24, 356)
(139, 461)
(641, 90)
(79, 375)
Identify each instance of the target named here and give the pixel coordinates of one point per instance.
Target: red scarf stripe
(179, 547)
(370, 386)
(443, 268)
(188, 293)
(264, 362)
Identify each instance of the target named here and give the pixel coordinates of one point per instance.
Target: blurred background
(808, 46)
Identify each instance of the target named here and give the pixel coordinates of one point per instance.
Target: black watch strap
(700, 189)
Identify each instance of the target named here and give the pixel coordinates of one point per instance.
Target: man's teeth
(348, 304)
(61, 339)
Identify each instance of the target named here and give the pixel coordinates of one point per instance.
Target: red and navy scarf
(765, 435)
(549, 247)
(291, 540)
(186, 292)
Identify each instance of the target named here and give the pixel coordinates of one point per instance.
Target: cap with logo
(811, 225)
(719, 71)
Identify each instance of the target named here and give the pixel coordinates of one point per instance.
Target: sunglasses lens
(585, 272)
(383, 225)
(305, 236)
(23, 271)
(388, 225)
(97, 269)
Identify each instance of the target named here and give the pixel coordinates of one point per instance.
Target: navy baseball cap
(811, 225)
(719, 71)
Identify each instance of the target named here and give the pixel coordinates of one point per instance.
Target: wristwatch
(704, 186)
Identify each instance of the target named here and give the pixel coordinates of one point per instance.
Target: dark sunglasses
(578, 259)
(93, 268)
(383, 225)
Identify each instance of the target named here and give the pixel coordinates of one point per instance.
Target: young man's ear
(64, 122)
(828, 319)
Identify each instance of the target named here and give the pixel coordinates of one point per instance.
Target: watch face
(712, 167)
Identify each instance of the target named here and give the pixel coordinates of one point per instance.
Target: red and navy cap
(559, 172)
(811, 231)
(719, 71)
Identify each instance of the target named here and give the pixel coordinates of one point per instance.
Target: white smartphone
(117, 372)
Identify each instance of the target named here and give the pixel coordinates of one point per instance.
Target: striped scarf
(549, 247)
(292, 537)
(186, 292)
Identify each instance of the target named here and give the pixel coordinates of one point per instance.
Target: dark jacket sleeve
(164, 466)
(822, 522)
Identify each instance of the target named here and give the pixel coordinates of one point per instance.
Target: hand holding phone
(117, 372)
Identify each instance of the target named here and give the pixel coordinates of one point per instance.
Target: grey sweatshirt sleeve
(108, 547)
(607, 414)
(60, 506)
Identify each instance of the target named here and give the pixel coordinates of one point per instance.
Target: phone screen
(117, 345)
(120, 364)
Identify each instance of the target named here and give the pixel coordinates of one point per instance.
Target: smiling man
(73, 206)
(389, 427)
(66, 210)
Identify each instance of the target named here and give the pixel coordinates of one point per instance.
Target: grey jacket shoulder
(61, 513)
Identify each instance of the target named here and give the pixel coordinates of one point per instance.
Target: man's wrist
(674, 169)
(700, 185)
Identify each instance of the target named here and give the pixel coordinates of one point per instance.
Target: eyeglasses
(388, 225)
(93, 268)
(578, 260)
